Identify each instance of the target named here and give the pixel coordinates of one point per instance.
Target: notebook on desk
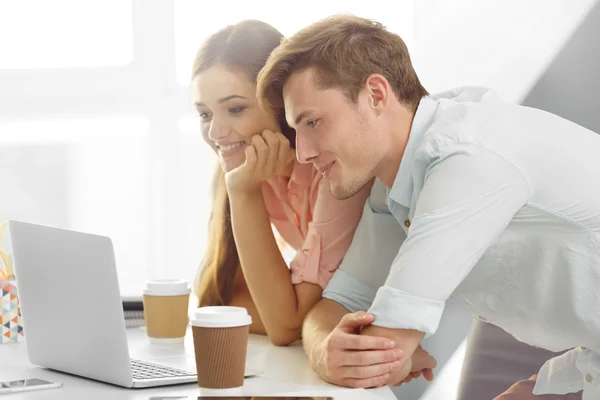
(133, 311)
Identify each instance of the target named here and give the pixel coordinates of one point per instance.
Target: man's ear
(379, 92)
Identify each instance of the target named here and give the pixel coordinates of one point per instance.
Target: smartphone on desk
(26, 385)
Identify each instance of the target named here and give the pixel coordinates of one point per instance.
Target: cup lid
(221, 317)
(166, 287)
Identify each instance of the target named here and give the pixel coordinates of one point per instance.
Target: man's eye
(312, 123)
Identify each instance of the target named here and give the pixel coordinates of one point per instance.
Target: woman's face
(229, 113)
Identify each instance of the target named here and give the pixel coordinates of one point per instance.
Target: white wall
(504, 44)
(570, 85)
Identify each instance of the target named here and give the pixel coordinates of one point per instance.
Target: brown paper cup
(166, 316)
(220, 344)
(220, 356)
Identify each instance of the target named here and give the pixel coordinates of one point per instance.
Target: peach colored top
(312, 221)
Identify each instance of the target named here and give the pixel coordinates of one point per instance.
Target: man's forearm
(406, 339)
(343, 357)
(319, 323)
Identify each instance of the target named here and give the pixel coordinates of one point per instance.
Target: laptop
(72, 311)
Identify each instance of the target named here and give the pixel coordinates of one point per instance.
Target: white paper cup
(166, 287)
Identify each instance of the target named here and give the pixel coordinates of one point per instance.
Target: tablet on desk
(241, 397)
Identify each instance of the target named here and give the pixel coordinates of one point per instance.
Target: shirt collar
(402, 190)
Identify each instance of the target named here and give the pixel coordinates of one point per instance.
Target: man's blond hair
(344, 50)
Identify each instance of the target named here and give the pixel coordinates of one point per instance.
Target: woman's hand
(268, 155)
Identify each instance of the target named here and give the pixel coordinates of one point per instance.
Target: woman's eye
(204, 115)
(236, 110)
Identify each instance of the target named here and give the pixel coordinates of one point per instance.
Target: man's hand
(268, 155)
(347, 359)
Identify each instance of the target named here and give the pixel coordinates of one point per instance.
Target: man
(498, 203)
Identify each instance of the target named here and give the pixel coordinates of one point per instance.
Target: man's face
(340, 138)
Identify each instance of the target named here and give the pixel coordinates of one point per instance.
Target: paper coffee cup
(220, 344)
(165, 309)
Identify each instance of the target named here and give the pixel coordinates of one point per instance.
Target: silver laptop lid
(69, 294)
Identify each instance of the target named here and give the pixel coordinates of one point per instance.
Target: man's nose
(306, 150)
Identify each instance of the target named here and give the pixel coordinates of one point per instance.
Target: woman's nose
(218, 131)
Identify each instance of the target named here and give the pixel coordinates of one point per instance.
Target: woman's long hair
(244, 46)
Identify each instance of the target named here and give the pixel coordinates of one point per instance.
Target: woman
(260, 184)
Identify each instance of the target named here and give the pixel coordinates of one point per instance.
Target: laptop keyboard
(143, 370)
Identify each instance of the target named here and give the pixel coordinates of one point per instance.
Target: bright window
(65, 33)
(117, 151)
(195, 20)
(89, 175)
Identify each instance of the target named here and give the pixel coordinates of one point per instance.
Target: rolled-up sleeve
(329, 234)
(468, 197)
(366, 265)
(349, 292)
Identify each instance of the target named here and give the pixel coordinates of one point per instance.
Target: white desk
(286, 372)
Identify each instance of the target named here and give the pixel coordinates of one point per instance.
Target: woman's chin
(231, 163)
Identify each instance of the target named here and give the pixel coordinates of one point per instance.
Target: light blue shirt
(499, 206)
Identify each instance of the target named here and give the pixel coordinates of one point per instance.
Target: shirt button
(482, 318)
(407, 223)
(589, 378)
